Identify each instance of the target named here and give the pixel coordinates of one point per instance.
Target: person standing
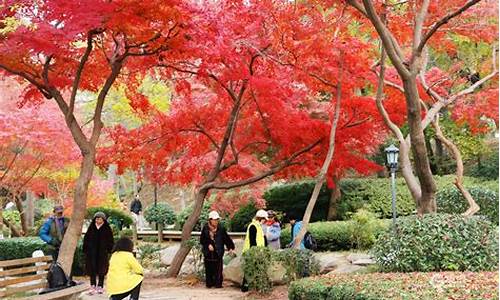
(97, 246)
(212, 239)
(254, 238)
(53, 230)
(125, 273)
(296, 226)
(136, 209)
(273, 231)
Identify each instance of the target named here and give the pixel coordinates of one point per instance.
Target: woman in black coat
(97, 246)
(213, 238)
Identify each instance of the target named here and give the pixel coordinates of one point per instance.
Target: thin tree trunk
(183, 251)
(1, 217)
(160, 233)
(15, 232)
(473, 206)
(22, 214)
(74, 230)
(30, 209)
(326, 164)
(428, 186)
(334, 198)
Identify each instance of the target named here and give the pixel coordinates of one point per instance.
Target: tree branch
(273, 170)
(442, 22)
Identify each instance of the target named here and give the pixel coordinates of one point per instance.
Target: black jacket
(136, 206)
(221, 238)
(97, 246)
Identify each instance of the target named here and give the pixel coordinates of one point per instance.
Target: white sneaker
(92, 291)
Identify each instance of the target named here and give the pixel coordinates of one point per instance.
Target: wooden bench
(29, 275)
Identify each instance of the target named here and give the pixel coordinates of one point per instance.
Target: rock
(188, 266)
(167, 254)
(357, 256)
(328, 261)
(277, 273)
(347, 268)
(233, 271)
(363, 262)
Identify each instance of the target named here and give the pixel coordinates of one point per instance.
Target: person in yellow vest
(125, 273)
(254, 238)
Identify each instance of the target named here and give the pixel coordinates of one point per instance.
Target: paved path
(182, 293)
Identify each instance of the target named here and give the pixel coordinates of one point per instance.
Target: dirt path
(168, 289)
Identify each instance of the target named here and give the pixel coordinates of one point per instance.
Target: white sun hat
(213, 215)
(261, 214)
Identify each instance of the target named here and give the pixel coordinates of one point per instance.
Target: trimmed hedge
(242, 218)
(114, 216)
(161, 213)
(451, 201)
(358, 233)
(293, 198)
(23, 247)
(411, 286)
(438, 242)
(202, 220)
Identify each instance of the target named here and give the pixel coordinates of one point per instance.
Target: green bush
(486, 168)
(243, 217)
(255, 262)
(293, 198)
(438, 242)
(358, 233)
(161, 213)
(114, 216)
(23, 247)
(451, 201)
(298, 263)
(392, 286)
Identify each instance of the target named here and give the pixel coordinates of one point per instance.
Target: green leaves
(160, 213)
(451, 201)
(114, 216)
(438, 242)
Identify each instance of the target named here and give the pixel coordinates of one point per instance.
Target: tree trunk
(22, 214)
(334, 198)
(160, 233)
(428, 186)
(30, 209)
(183, 251)
(324, 169)
(15, 232)
(74, 230)
(134, 233)
(473, 206)
(1, 218)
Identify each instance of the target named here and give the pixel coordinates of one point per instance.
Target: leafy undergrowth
(433, 285)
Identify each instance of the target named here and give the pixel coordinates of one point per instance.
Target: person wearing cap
(273, 231)
(97, 246)
(53, 230)
(212, 239)
(254, 238)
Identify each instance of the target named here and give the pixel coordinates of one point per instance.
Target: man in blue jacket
(52, 231)
(296, 226)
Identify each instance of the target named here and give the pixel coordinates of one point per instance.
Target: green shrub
(438, 242)
(255, 262)
(23, 247)
(114, 216)
(161, 213)
(392, 286)
(128, 233)
(359, 233)
(486, 168)
(293, 198)
(149, 253)
(243, 217)
(298, 263)
(451, 201)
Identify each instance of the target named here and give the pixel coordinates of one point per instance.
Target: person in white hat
(212, 239)
(255, 237)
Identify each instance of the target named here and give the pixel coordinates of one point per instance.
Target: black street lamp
(392, 153)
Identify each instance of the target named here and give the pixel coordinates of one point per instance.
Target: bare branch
(442, 22)
(419, 25)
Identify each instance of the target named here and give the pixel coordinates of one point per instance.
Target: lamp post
(392, 153)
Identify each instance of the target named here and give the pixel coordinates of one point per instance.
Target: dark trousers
(93, 280)
(134, 294)
(213, 272)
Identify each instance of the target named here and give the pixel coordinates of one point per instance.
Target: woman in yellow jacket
(125, 273)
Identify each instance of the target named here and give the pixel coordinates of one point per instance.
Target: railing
(175, 235)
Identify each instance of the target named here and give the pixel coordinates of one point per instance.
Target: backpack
(309, 242)
(56, 277)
